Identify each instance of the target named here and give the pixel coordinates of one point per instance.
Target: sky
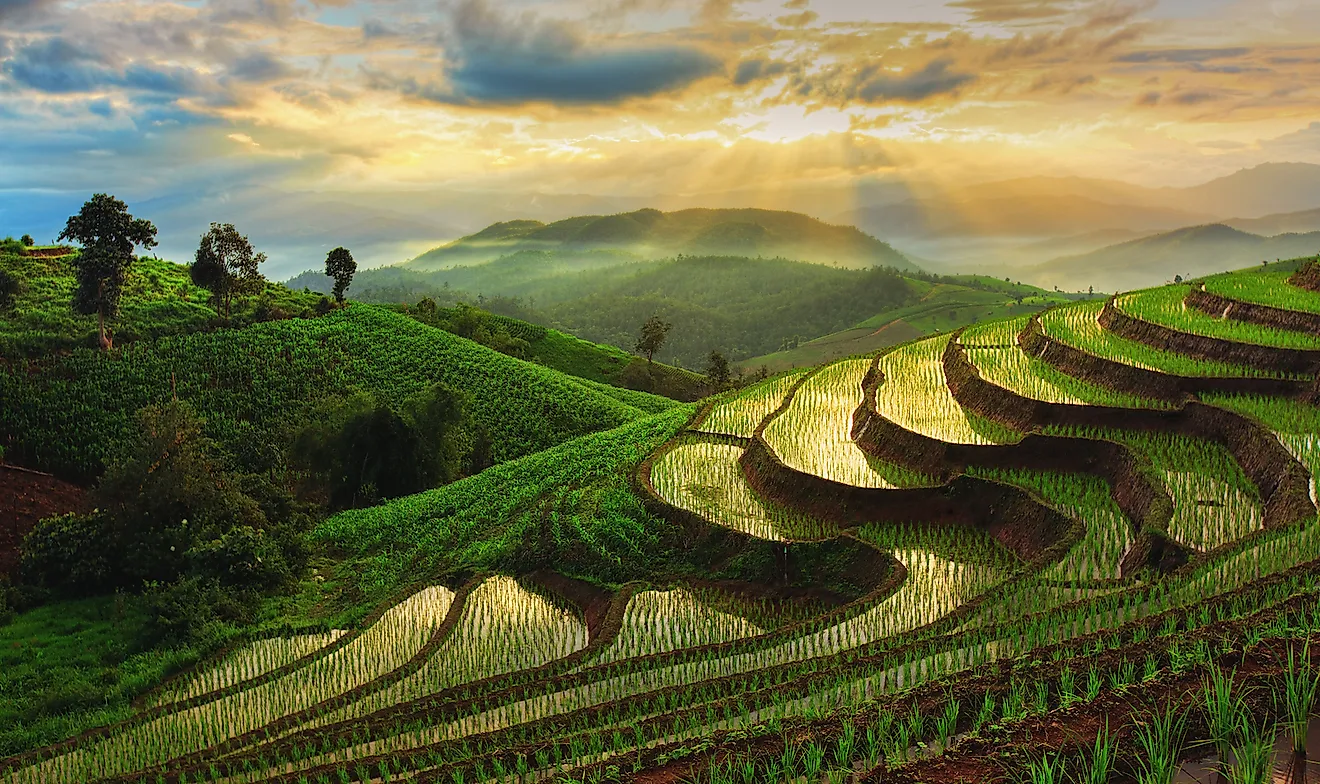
(433, 117)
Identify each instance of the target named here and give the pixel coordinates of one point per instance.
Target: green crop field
(853, 572)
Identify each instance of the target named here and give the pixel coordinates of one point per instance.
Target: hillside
(652, 234)
(955, 302)
(159, 299)
(1302, 222)
(1150, 261)
(254, 385)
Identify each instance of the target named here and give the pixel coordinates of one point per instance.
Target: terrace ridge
(1219, 306)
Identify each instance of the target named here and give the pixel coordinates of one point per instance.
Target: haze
(396, 126)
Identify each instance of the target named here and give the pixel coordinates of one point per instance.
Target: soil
(26, 497)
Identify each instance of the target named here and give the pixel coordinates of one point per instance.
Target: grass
(159, 299)
(71, 665)
(253, 386)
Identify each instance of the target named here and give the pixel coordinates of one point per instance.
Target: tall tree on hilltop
(654, 333)
(226, 265)
(340, 266)
(108, 236)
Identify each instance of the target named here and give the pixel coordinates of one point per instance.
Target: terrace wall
(1283, 483)
(1142, 382)
(1308, 277)
(1271, 358)
(1251, 312)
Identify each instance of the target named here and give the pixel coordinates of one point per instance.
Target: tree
(108, 235)
(717, 369)
(654, 332)
(27, 240)
(226, 265)
(340, 266)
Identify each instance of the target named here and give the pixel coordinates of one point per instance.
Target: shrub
(190, 610)
(71, 550)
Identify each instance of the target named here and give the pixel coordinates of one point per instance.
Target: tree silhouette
(717, 369)
(340, 266)
(108, 235)
(652, 339)
(226, 265)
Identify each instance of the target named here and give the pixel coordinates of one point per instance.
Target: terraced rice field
(1108, 594)
(1164, 306)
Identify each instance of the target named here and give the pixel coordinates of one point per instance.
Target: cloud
(14, 9)
(1182, 55)
(749, 71)
(261, 67)
(54, 65)
(1014, 11)
(499, 60)
(872, 84)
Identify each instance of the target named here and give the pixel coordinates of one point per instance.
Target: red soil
(25, 498)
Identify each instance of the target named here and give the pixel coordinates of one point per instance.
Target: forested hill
(742, 307)
(653, 234)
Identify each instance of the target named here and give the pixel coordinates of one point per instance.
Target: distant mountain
(1054, 207)
(1284, 223)
(650, 234)
(1151, 261)
(1020, 215)
(1263, 190)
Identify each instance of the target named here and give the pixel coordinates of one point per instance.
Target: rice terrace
(659, 392)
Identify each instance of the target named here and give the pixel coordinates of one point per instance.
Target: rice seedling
(1159, 737)
(705, 478)
(659, 621)
(742, 413)
(1077, 325)
(914, 396)
(1300, 683)
(1100, 761)
(814, 434)
(250, 661)
(1046, 770)
(1164, 306)
(1223, 706)
(1253, 752)
(1264, 287)
(993, 349)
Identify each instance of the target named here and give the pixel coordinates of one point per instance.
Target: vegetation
(108, 235)
(340, 267)
(742, 590)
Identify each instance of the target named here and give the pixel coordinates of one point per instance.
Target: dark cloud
(15, 9)
(55, 65)
(498, 60)
(749, 71)
(1151, 98)
(1182, 55)
(1014, 11)
(1194, 98)
(872, 84)
(260, 67)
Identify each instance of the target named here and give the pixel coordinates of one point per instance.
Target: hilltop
(650, 233)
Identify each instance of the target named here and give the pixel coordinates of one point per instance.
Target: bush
(191, 610)
(12, 247)
(71, 550)
(243, 557)
(8, 289)
(363, 450)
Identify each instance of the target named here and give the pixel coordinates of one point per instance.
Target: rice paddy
(978, 637)
(1164, 306)
(916, 397)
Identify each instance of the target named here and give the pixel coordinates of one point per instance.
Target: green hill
(254, 385)
(651, 234)
(158, 300)
(954, 302)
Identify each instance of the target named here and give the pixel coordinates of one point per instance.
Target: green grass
(158, 300)
(252, 386)
(1264, 287)
(1164, 306)
(72, 665)
(1076, 326)
(491, 520)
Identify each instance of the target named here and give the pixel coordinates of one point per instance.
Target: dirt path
(25, 498)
